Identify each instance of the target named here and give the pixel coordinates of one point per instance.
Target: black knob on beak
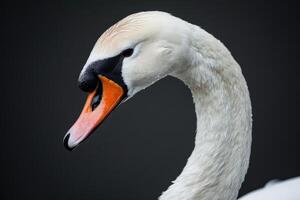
(88, 81)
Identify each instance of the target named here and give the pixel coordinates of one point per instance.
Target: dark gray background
(145, 143)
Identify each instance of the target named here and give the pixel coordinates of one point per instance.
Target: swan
(145, 47)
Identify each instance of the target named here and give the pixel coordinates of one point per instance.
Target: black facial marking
(127, 52)
(110, 68)
(88, 81)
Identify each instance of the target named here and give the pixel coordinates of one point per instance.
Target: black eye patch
(109, 67)
(127, 52)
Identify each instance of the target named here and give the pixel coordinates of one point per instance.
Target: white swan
(145, 47)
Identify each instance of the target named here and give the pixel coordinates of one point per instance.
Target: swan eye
(127, 52)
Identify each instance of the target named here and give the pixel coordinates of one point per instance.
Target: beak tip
(100, 102)
(66, 142)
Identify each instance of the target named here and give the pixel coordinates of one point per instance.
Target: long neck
(217, 166)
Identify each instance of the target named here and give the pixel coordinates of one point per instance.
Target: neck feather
(217, 166)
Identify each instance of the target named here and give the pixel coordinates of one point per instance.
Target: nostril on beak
(66, 140)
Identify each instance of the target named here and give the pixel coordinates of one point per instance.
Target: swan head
(128, 57)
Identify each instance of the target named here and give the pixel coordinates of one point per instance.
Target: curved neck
(219, 161)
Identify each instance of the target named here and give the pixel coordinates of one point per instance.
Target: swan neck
(218, 164)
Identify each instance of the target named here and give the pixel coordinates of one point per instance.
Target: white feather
(166, 45)
(285, 190)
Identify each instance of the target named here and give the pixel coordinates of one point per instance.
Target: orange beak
(94, 112)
